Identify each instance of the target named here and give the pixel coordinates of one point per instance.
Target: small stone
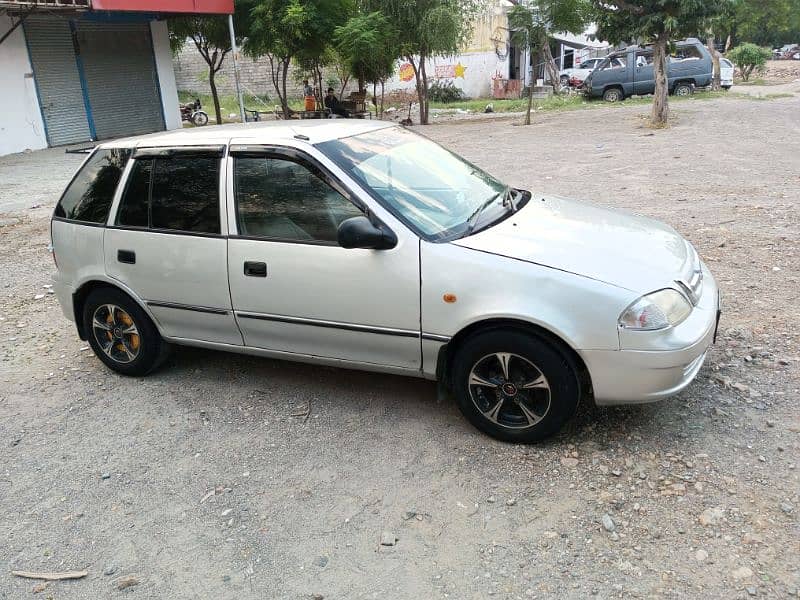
(226, 512)
(39, 587)
(616, 473)
(491, 499)
(388, 539)
(105, 476)
(109, 570)
(226, 578)
(751, 589)
(608, 523)
(317, 597)
(38, 296)
(762, 458)
(770, 423)
(321, 561)
(511, 502)
(742, 573)
(701, 555)
(127, 582)
(711, 516)
(787, 507)
(569, 462)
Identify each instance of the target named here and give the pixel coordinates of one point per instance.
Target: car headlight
(659, 310)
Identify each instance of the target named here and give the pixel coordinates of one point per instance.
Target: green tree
(286, 30)
(749, 57)
(657, 22)
(424, 29)
(765, 22)
(368, 49)
(212, 39)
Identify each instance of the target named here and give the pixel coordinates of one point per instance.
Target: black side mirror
(359, 232)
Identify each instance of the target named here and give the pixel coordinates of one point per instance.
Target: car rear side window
(88, 197)
(176, 194)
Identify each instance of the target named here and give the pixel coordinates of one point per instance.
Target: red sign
(205, 7)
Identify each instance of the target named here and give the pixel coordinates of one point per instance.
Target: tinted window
(185, 194)
(88, 198)
(283, 199)
(133, 206)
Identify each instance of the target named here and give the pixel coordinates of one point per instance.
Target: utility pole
(235, 56)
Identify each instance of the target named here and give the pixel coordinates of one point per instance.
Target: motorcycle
(191, 112)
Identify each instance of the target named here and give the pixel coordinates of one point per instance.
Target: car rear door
(166, 242)
(294, 289)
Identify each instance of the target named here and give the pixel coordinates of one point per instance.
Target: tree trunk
(214, 94)
(550, 65)
(530, 104)
(284, 99)
(423, 100)
(383, 94)
(660, 114)
(728, 42)
(716, 83)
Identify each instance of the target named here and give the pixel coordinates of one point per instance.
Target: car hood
(619, 248)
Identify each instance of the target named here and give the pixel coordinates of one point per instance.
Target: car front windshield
(438, 194)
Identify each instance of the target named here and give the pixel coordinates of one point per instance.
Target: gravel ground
(198, 482)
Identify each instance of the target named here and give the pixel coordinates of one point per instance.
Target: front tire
(121, 334)
(514, 386)
(199, 118)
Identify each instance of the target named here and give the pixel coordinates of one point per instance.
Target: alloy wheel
(116, 333)
(509, 390)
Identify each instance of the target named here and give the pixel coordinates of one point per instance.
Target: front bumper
(644, 375)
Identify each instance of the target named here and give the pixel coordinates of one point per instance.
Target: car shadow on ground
(223, 381)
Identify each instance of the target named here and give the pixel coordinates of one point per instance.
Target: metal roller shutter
(121, 80)
(53, 58)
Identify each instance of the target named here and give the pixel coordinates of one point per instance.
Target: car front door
(166, 242)
(295, 291)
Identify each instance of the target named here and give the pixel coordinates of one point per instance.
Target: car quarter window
(285, 199)
(89, 195)
(175, 194)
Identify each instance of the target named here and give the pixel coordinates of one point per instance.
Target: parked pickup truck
(689, 66)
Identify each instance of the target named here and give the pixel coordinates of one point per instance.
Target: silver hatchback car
(364, 245)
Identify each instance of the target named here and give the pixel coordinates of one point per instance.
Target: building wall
(21, 125)
(166, 74)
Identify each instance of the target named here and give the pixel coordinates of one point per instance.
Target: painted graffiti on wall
(450, 71)
(406, 72)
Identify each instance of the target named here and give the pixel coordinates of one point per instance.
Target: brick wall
(191, 74)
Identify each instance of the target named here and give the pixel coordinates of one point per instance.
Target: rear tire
(613, 95)
(514, 386)
(683, 88)
(121, 334)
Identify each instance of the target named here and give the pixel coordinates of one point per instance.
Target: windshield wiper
(473, 218)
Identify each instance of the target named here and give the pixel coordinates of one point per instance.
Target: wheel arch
(449, 350)
(87, 287)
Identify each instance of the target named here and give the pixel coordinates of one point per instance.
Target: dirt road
(199, 483)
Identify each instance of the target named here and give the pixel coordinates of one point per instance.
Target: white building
(75, 71)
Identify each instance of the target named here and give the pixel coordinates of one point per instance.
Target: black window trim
(304, 159)
(78, 171)
(207, 151)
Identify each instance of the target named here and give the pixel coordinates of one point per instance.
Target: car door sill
(304, 358)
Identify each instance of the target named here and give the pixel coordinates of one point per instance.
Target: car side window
(175, 194)
(685, 53)
(644, 58)
(134, 206)
(88, 197)
(283, 199)
(185, 194)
